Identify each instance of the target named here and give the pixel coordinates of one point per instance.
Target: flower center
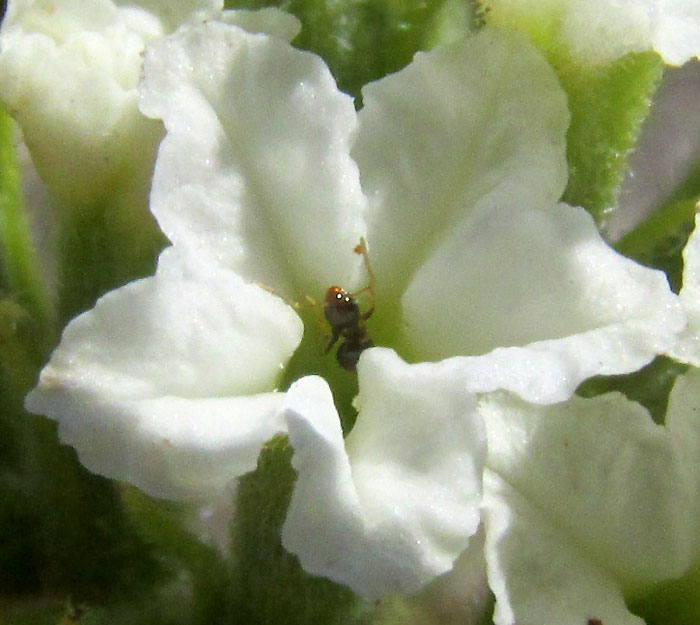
(346, 314)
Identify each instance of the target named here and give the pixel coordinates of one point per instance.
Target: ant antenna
(309, 302)
(361, 248)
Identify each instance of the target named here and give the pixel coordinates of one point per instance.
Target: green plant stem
(19, 267)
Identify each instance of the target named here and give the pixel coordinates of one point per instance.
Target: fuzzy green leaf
(203, 573)
(270, 586)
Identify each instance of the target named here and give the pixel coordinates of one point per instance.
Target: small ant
(346, 321)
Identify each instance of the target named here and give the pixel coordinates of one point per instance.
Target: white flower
(267, 175)
(600, 31)
(69, 71)
(588, 504)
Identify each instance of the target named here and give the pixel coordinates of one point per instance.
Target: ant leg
(290, 302)
(321, 321)
(333, 339)
(361, 248)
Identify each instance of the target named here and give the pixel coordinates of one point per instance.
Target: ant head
(340, 307)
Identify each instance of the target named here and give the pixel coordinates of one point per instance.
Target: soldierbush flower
(589, 504)
(266, 181)
(69, 72)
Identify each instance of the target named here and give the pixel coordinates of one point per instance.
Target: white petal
(270, 21)
(167, 383)
(600, 31)
(396, 504)
(683, 421)
(255, 172)
(586, 502)
(538, 575)
(68, 73)
(688, 347)
(676, 30)
(481, 120)
(542, 289)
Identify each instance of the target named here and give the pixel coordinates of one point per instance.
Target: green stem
(21, 274)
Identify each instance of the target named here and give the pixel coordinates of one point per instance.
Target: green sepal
(19, 517)
(102, 247)
(608, 103)
(31, 611)
(88, 547)
(201, 572)
(659, 240)
(270, 587)
(162, 607)
(364, 40)
(21, 352)
(65, 532)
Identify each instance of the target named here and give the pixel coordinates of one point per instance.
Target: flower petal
(676, 30)
(538, 575)
(683, 421)
(167, 383)
(68, 73)
(600, 31)
(576, 520)
(396, 504)
(688, 347)
(481, 120)
(268, 21)
(543, 279)
(255, 168)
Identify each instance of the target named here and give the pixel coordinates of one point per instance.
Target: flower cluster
(493, 302)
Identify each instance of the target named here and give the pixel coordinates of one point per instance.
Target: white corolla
(589, 504)
(265, 182)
